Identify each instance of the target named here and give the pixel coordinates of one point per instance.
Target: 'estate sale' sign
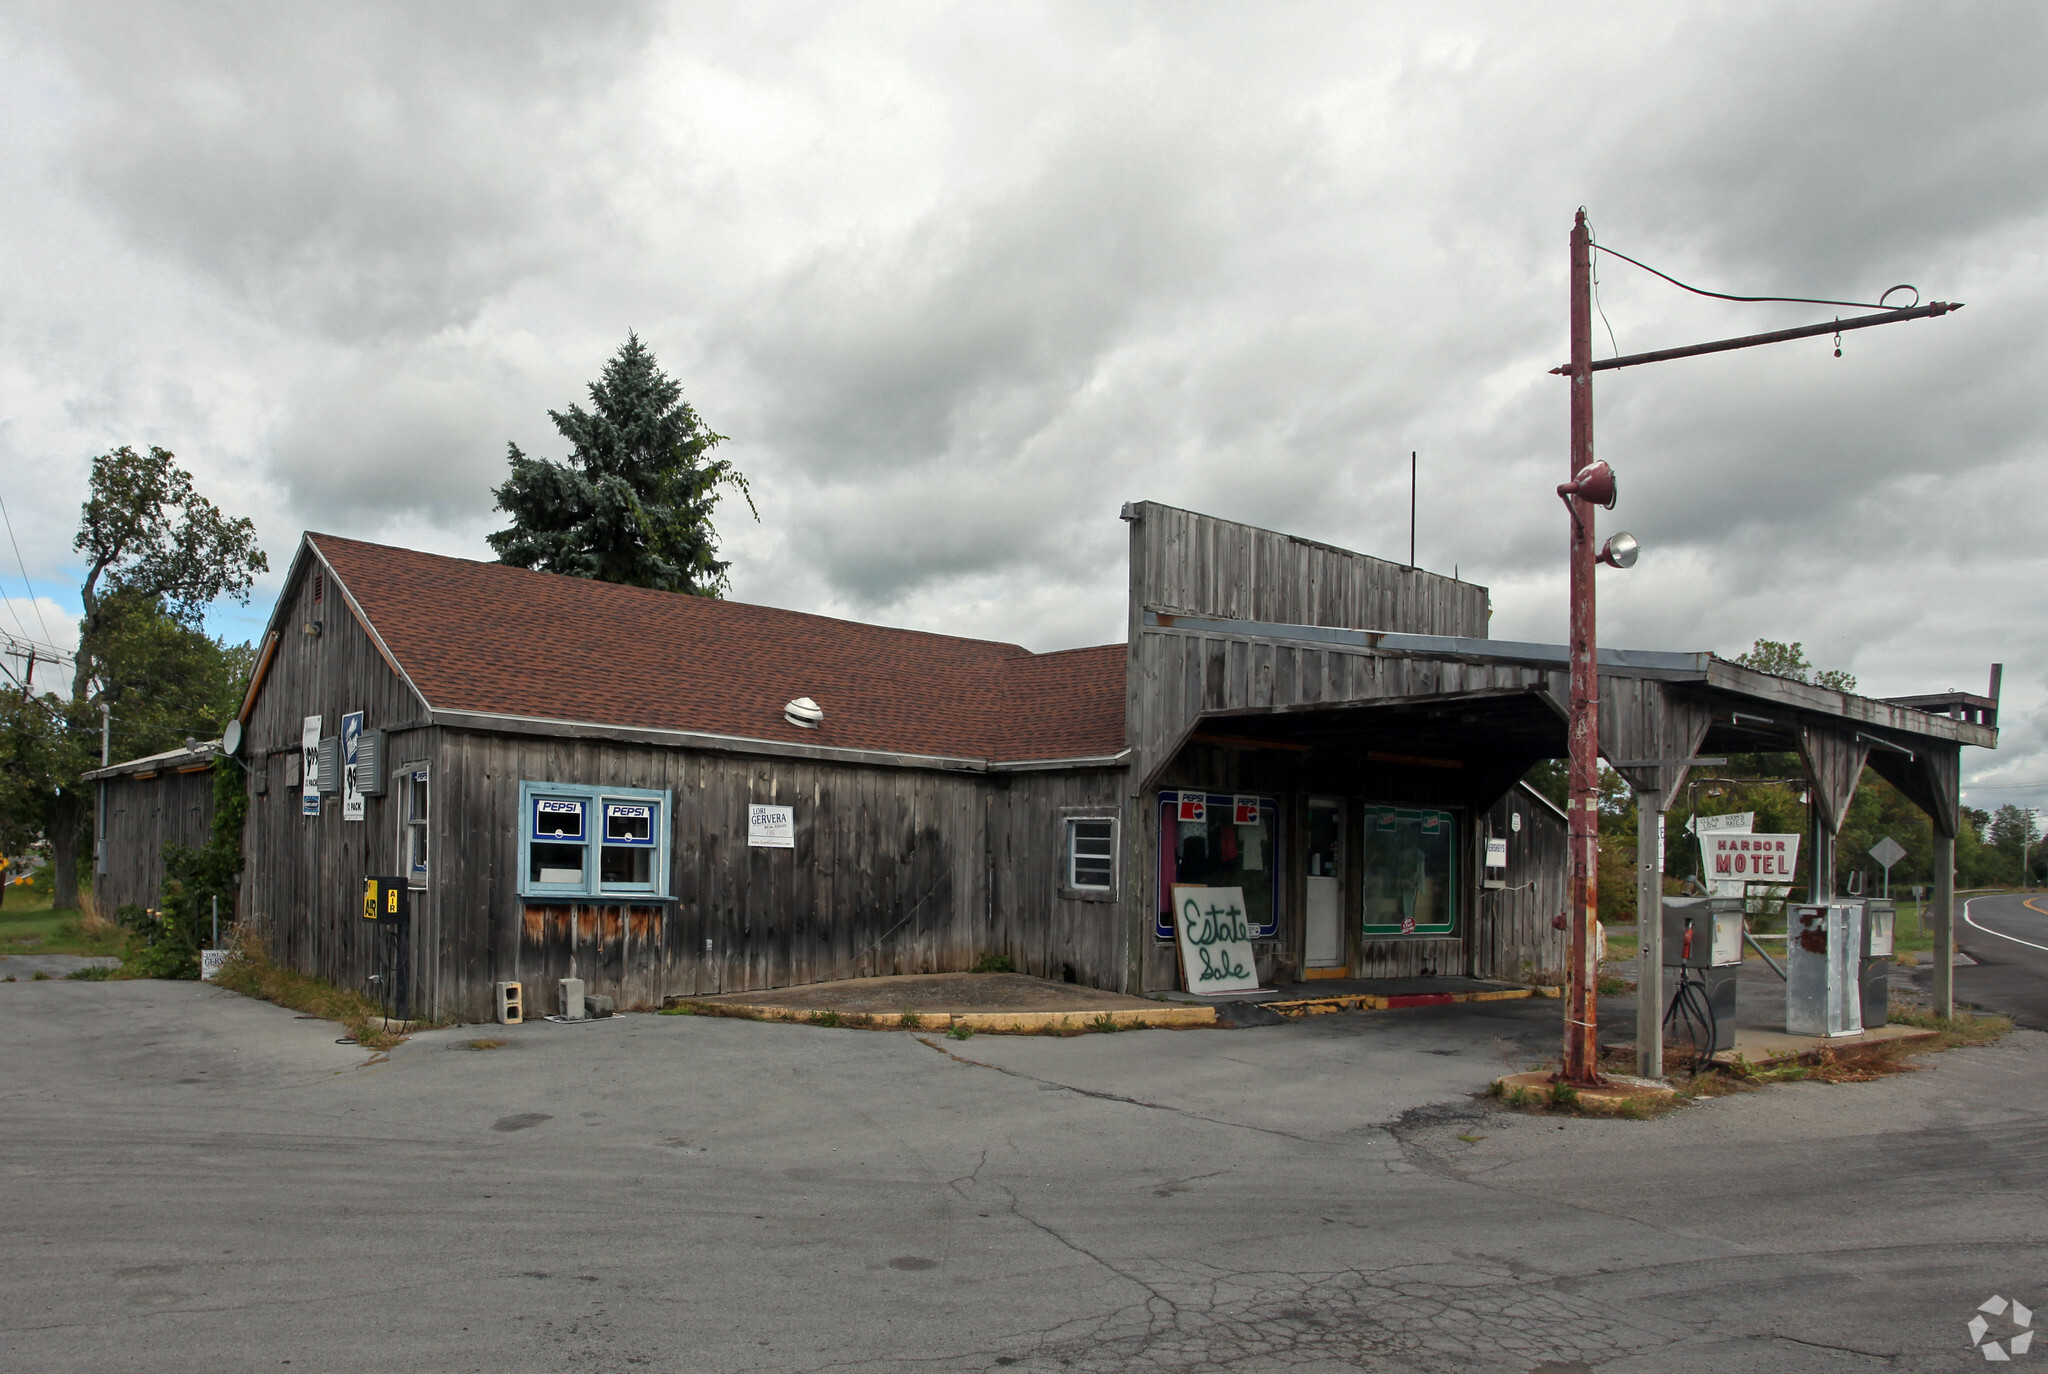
(771, 827)
(1215, 939)
(1749, 858)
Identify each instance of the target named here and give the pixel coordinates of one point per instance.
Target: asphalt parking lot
(194, 1181)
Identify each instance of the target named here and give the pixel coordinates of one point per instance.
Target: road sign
(1887, 852)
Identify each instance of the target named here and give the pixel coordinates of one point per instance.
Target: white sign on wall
(351, 743)
(1738, 822)
(309, 767)
(771, 827)
(1215, 939)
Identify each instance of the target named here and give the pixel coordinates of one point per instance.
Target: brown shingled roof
(490, 638)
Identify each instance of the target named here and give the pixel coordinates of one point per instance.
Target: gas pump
(1824, 949)
(1880, 918)
(1702, 964)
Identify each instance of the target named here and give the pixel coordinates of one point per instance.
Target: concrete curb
(1366, 1001)
(981, 1022)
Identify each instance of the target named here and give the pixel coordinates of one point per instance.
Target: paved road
(2008, 937)
(191, 1181)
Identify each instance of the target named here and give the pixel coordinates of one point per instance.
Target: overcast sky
(959, 279)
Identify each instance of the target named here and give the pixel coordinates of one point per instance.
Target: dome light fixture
(1621, 550)
(804, 712)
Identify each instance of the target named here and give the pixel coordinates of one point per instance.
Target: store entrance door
(1324, 946)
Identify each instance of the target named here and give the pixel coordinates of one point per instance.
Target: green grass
(29, 926)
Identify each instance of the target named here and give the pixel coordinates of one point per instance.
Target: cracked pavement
(194, 1181)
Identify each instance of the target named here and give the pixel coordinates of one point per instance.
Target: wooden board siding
(891, 874)
(142, 815)
(303, 880)
(1182, 675)
(1184, 563)
(1514, 939)
(1044, 928)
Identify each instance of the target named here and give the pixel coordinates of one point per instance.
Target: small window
(590, 840)
(1091, 854)
(416, 826)
(627, 859)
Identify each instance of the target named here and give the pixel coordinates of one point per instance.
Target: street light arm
(1805, 331)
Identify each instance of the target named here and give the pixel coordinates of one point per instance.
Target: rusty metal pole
(1580, 1064)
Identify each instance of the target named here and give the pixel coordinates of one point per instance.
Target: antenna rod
(1411, 507)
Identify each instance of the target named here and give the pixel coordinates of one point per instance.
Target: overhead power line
(21, 563)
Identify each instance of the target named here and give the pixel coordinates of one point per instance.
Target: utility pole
(1581, 1054)
(1588, 488)
(1411, 510)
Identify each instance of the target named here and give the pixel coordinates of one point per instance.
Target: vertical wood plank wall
(303, 881)
(895, 870)
(1185, 563)
(1513, 938)
(143, 815)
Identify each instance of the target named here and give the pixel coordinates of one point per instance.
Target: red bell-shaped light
(1594, 482)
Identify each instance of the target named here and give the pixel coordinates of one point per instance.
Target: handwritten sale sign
(1215, 938)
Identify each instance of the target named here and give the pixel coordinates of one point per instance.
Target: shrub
(994, 963)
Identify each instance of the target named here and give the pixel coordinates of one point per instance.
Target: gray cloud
(958, 282)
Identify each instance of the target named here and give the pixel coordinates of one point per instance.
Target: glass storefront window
(1410, 865)
(1217, 839)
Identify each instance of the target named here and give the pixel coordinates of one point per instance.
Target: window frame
(1271, 810)
(417, 875)
(1446, 929)
(593, 886)
(1067, 889)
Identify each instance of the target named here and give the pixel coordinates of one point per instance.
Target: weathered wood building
(571, 774)
(142, 805)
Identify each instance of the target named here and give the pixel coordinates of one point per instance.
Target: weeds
(960, 1032)
(251, 973)
(994, 963)
(1950, 1031)
(827, 1017)
(1105, 1022)
(39, 977)
(487, 1043)
(679, 1009)
(93, 973)
(909, 1019)
(1611, 986)
(1564, 1095)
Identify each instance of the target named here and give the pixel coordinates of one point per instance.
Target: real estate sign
(1215, 938)
(771, 827)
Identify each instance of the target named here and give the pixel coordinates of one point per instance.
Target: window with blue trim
(592, 841)
(1218, 839)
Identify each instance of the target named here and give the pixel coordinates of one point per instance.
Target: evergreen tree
(632, 503)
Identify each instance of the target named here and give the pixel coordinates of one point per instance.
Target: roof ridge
(493, 566)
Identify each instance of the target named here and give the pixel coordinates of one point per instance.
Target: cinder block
(511, 1003)
(597, 1004)
(572, 999)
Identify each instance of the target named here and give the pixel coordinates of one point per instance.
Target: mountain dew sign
(1215, 937)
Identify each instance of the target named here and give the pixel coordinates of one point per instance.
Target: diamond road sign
(1887, 851)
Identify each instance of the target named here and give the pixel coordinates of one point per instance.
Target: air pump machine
(1702, 964)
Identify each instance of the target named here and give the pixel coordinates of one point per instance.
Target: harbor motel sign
(1752, 858)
